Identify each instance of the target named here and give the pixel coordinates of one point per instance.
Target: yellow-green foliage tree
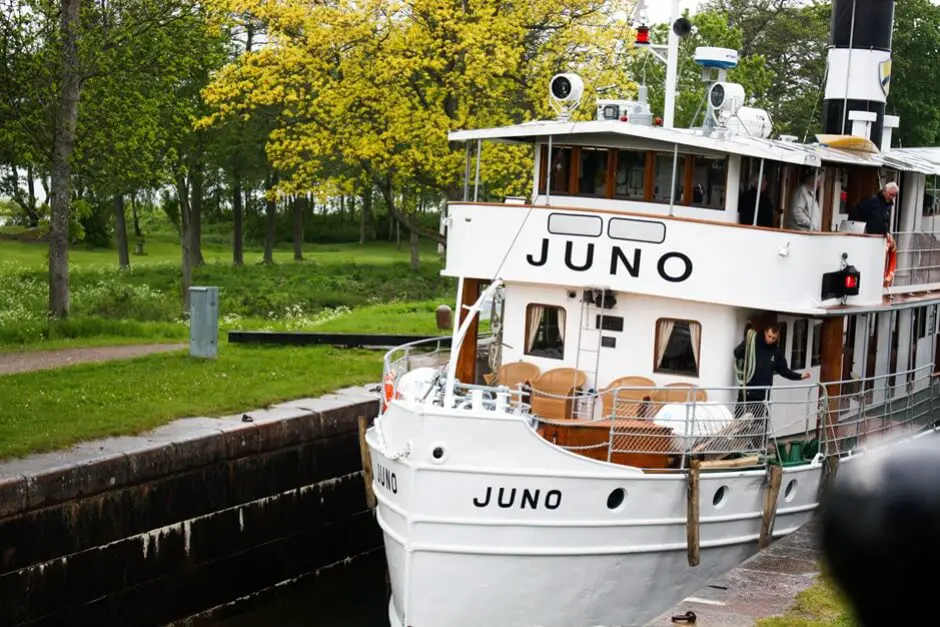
(379, 83)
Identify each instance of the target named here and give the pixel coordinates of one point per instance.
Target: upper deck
(667, 212)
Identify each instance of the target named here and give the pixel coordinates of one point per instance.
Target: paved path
(11, 363)
(763, 586)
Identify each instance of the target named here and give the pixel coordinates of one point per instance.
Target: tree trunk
(366, 225)
(238, 239)
(120, 228)
(185, 240)
(196, 177)
(415, 260)
(137, 231)
(31, 212)
(63, 142)
(300, 204)
(271, 211)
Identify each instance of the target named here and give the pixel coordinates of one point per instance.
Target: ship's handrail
(918, 258)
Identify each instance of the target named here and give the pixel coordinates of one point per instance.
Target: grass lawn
(818, 606)
(342, 286)
(53, 409)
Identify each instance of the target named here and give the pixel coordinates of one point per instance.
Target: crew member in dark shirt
(875, 211)
(769, 360)
(765, 210)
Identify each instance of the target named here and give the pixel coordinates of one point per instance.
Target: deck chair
(629, 403)
(512, 374)
(554, 391)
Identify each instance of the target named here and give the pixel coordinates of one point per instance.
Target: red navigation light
(658, 121)
(642, 36)
(851, 282)
(624, 118)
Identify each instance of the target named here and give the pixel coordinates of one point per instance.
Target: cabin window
(592, 172)
(545, 331)
(561, 170)
(678, 346)
(708, 182)
(815, 358)
(663, 177)
(798, 352)
(631, 172)
(932, 195)
(920, 323)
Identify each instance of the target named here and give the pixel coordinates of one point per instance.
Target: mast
(672, 69)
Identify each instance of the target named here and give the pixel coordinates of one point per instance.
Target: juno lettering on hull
(518, 498)
(672, 266)
(386, 478)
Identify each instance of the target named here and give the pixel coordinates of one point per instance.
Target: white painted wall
(635, 206)
(722, 330)
(736, 266)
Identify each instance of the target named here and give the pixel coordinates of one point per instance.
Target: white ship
(590, 460)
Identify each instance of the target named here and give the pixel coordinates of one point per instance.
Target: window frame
(526, 336)
(801, 323)
(656, 345)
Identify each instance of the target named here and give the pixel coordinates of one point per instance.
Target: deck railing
(918, 258)
(710, 423)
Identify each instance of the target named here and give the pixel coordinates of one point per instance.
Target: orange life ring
(389, 388)
(891, 263)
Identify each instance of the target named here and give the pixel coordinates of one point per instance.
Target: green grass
(819, 606)
(143, 304)
(52, 409)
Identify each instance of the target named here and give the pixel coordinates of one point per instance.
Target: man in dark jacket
(747, 202)
(768, 361)
(875, 212)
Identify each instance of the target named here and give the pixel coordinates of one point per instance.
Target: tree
(915, 81)
(379, 84)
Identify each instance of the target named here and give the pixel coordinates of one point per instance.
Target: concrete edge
(763, 586)
(96, 466)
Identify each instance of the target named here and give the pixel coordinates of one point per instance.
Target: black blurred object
(881, 532)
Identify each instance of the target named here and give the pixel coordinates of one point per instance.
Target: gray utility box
(204, 322)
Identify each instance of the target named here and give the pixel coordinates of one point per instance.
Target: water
(355, 597)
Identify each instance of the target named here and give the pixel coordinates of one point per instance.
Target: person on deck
(804, 214)
(875, 212)
(763, 352)
(765, 210)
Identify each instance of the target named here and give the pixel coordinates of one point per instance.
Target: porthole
(790, 491)
(616, 498)
(438, 453)
(721, 497)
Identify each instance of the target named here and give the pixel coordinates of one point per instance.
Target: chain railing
(918, 258)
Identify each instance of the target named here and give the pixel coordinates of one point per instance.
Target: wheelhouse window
(932, 195)
(678, 347)
(592, 171)
(545, 331)
(561, 170)
(662, 180)
(631, 175)
(815, 358)
(798, 351)
(708, 182)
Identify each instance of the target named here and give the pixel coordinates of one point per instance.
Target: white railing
(918, 258)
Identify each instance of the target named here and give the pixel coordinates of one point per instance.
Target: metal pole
(476, 183)
(548, 175)
(672, 188)
(760, 180)
(672, 70)
(466, 176)
(848, 70)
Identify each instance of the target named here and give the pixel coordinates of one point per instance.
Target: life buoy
(389, 388)
(891, 263)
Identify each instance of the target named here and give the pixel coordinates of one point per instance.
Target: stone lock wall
(188, 519)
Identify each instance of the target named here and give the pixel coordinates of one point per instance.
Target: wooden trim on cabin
(828, 187)
(689, 180)
(574, 170)
(543, 168)
(831, 367)
(649, 176)
(466, 371)
(648, 216)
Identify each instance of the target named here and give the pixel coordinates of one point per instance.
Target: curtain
(534, 316)
(561, 325)
(695, 336)
(663, 334)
